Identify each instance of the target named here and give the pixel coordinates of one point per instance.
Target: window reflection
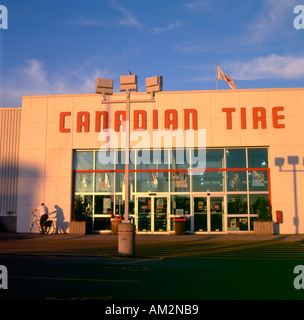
(208, 181)
(258, 158)
(215, 158)
(236, 158)
(83, 160)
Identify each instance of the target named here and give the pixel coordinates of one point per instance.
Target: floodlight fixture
(154, 84)
(104, 86)
(128, 83)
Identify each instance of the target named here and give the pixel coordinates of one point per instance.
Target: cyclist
(44, 214)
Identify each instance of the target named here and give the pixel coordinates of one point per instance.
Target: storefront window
(258, 180)
(180, 180)
(83, 160)
(104, 182)
(120, 181)
(104, 160)
(214, 158)
(258, 158)
(120, 206)
(180, 205)
(83, 182)
(120, 176)
(236, 158)
(86, 202)
(100, 180)
(208, 181)
(237, 224)
(237, 204)
(258, 202)
(103, 204)
(236, 181)
(152, 181)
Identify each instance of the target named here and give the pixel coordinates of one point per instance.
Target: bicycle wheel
(49, 227)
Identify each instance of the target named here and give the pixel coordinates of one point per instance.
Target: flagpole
(216, 75)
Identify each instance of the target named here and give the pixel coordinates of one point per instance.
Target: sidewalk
(155, 237)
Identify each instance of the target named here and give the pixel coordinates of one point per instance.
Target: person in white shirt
(44, 214)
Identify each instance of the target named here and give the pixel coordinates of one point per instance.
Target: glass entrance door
(216, 213)
(200, 214)
(152, 214)
(208, 213)
(144, 210)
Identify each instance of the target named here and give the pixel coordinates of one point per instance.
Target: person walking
(44, 214)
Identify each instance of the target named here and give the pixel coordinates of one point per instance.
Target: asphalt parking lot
(190, 267)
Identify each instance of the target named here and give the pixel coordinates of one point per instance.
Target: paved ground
(190, 267)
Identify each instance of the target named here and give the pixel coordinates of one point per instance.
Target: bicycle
(48, 225)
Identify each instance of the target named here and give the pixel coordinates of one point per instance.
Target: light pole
(126, 230)
(128, 84)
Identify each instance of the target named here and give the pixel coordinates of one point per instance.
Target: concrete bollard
(126, 239)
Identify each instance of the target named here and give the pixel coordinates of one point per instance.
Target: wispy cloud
(85, 22)
(170, 27)
(271, 20)
(197, 4)
(33, 78)
(128, 19)
(269, 67)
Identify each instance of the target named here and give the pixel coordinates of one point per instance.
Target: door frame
(152, 197)
(208, 196)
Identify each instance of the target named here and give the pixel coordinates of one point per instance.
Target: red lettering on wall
(62, 122)
(118, 115)
(259, 115)
(137, 115)
(155, 119)
(171, 122)
(98, 115)
(187, 113)
(259, 119)
(243, 118)
(83, 121)
(229, 116)
(276, 117)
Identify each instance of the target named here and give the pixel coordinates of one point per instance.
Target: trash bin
(180, 225)
(126, 239)
(115, 221)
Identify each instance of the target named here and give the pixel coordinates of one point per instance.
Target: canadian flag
(223, 76)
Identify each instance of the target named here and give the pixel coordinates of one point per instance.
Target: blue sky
(60, 47)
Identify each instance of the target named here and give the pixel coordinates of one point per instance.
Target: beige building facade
(254, 152)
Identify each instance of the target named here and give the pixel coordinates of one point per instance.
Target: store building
(254, 153)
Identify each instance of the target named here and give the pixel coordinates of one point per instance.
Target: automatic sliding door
(144, 214)
(160, 214)
(216, 213)
(200, 214)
